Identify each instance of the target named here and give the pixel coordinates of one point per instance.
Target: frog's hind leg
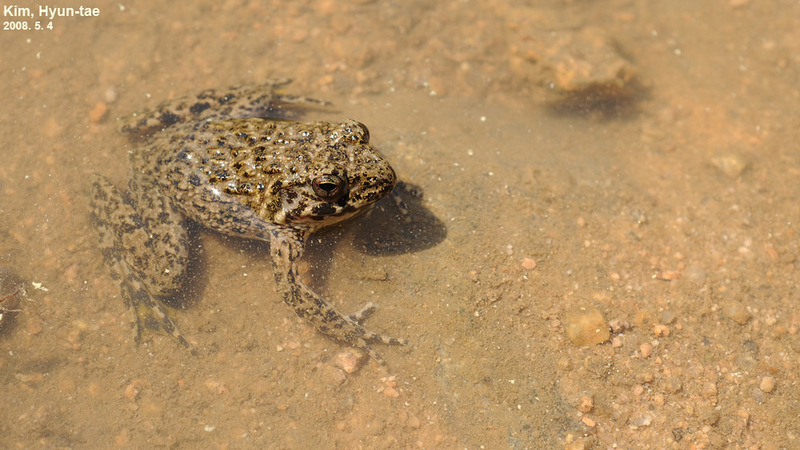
(127, 240)
(286, 248)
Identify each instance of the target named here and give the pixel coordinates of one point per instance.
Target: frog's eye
(328, 187)
(365, 130)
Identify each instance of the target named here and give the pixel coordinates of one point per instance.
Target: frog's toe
(375, 337)
(151, 315)
(366, 311)
(376, 356)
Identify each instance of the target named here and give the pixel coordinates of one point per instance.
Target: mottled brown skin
(216, 158)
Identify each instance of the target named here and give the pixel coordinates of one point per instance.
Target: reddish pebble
(131, 392)
(98, 112)
(661, 330)
(349, 360)
(585, 404)
(767, 384)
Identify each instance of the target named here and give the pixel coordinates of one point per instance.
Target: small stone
(618, 325)
(132, 391)
(98, 113)
(709, 390)
(736, 311)
(585, 404)
(645, 377)
(767, 384)
(391, 392)
(758, 395)
(673, 385)
(588, 422)
(349, 360)
(528, 264)
(660, 330)
(585, 325)
(30, 378)
(669, 275)
(695, 273)
(110, 95)
(640, 420)
(645, 350)
(731, 165)
(389, 388)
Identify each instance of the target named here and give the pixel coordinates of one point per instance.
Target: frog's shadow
(398, 224)
(395, 226)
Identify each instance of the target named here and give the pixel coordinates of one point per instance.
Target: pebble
(758, 395)
(640, 420)
(645, 350)
(110, 95)
(131, 392)
(99, 112)
(695, 273)
(585, 325)
(668, 317)
(389, 387)
(669, 275)
(619, 325)
(528, 263)
(585, 404)
(767, 384)
(736, 311)
(349, 360)
(731, 165)
(660, 330)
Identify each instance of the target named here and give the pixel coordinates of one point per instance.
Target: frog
(238, 162)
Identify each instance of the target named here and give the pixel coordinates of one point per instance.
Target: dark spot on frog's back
(198, 108)
(168, 119)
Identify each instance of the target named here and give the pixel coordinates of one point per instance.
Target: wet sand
(623, 166)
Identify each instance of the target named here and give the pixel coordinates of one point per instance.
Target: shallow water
(671, 210)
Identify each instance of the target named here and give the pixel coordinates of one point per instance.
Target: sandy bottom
(605, 252)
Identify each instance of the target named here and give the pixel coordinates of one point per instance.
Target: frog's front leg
(286, 248)
(144, 245)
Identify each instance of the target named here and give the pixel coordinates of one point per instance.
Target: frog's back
(263, 100)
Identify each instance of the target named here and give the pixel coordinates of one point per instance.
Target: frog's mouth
(328, 213)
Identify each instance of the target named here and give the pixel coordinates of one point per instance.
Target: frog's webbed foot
(150, 314)
(286, 248)
(363, 314)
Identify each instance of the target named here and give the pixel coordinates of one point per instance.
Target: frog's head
(341, 176)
